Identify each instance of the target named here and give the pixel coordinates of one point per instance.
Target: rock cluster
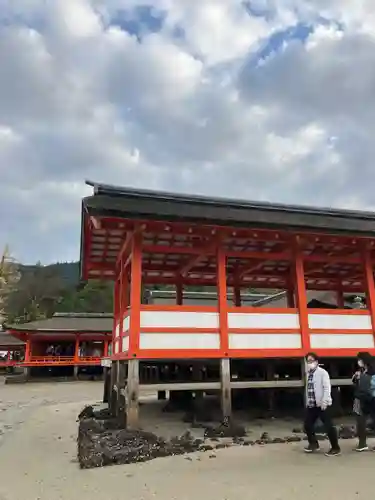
(228, 429)
(102, 441)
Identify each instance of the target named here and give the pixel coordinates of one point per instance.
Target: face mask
(361, 363)
(311, 366)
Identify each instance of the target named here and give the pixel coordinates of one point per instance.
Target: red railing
(61, 360)
(6, 363)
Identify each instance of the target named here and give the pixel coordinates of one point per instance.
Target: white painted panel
(341, 341)
(126, 323)
(117, 330)
(264, 341)
(179, 341)
(179, 319)
(116, 348)
(340, 322)
(263, 320)
(125, 344)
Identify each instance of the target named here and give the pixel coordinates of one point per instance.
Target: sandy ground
(38, 459)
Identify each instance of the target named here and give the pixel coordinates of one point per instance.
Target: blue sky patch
(140, 20)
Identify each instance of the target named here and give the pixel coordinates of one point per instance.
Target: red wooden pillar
(27, 350)
(222, 299)
(369, 283)
(116, 310)
(135, 294)
(122, 303)
(301, 297)
(105, 348)
(76, 348)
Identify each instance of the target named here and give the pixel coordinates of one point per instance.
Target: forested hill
(44, 290)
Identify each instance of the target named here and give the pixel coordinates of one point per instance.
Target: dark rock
(87, 412)
(259, 441)
(205, 447)
(293, 439)
(104, 442)
(221, 446)
(247, 442)
(225, 430)
(278, 440)
(198, 442)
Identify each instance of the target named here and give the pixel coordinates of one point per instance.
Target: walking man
(318, 406)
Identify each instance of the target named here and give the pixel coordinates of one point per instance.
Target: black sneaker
(311, 448)
(333, 452)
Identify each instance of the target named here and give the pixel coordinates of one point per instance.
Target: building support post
(76, 358)
(226, 396)
(132, 395)
(107, 385)
(340, 297)
(26, 370)
(114, 397)
(121, 392)
(237, 295)
(179, 294)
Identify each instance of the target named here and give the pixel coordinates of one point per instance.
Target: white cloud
(185, 108)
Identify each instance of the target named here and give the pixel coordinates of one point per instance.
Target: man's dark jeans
(311, 416)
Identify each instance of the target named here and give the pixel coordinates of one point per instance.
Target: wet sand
(38, 459)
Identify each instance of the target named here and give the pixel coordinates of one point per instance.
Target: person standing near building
(363, 406)
(318, 406)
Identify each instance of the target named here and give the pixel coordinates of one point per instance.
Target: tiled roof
(69, 322)
(7, 340)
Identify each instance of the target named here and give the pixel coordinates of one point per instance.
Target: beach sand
(38, 459)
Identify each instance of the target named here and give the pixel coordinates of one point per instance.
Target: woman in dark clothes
(363, 401)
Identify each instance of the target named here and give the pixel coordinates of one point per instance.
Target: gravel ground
(38, 432)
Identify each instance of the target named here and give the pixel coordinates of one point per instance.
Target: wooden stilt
(114, 398)
(226, 396)
(132, 395)
(75, 372)
(122, 392)
(107, 385)
(270, 393)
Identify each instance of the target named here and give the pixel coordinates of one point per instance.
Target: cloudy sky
(262, 99)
